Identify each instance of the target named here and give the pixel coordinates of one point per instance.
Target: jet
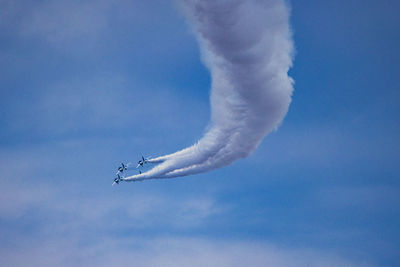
(117, 180)
(142, 162)
(122, 168)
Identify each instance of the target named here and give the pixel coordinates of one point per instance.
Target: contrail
(247, 47)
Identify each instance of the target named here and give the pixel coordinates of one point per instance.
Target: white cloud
(171, 251)
(76, 25)
(326, 147)
(16, 201)
(102, 101)
(180, 213)
(366, 198)
(140, 211)
(81, 230)
(61, 21)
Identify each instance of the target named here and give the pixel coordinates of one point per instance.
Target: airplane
(142, 162)
(122, 168)
(117, 180)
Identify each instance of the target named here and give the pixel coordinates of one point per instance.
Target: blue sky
(85, 86)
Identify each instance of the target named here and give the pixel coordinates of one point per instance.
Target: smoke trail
(248, 49)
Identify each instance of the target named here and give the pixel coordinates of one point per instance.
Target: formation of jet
(120, 170)
(124, 167)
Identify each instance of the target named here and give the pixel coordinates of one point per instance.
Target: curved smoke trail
(248, 49)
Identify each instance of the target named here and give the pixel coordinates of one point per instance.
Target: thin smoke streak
(247, 47)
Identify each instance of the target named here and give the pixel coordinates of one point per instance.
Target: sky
(85, 86)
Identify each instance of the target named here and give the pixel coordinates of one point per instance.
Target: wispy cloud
(66, 210)
(81, 27)
(171, 251)
(102, 101)
(364, 199)
(178, 213)
(63, 21)
(60, 22)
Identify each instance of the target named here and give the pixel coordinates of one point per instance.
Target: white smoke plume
(247, 47)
